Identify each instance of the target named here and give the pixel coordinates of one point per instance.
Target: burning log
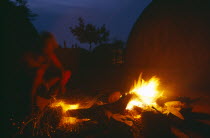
(98, 112)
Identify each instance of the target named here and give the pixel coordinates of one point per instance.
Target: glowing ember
(137, 116)
(71, 120)
(65, 106)
(147, 93)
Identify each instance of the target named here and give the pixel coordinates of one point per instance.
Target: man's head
(48, 42)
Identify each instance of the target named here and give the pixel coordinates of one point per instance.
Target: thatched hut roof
(171, 39)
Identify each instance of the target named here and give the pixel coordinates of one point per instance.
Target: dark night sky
(57, 15)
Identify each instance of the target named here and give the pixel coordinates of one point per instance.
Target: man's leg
(65, 77)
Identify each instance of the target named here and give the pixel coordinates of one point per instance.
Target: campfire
(144, 104)
(146, 93)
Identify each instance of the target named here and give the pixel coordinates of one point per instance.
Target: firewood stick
(94, 112)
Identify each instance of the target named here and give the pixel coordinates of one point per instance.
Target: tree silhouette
(103, 34)
(89, 33)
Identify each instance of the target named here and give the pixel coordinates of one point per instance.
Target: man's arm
(56, 62)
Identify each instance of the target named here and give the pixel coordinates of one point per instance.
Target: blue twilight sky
(58, 15)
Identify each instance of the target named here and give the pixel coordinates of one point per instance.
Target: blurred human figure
(47, 67)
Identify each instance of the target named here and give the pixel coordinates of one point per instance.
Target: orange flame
(65, 107)
(147, 93)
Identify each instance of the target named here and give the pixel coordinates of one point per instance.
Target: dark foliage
(89, 33)
(18, 36)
